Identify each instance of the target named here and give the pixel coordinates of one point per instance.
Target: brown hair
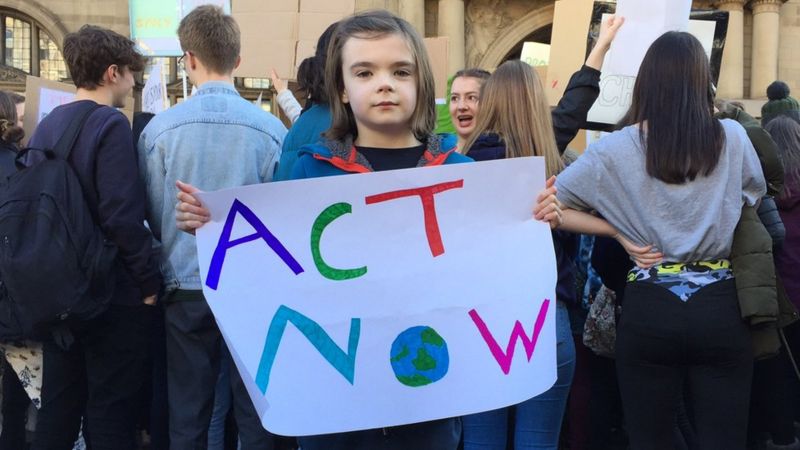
(212, 36)
(673, 95)
(375, 25)
(514, 107)
(16, 98)
(311, 72)
(92, 50)
(9, 131)
(786, 134)
(473, 72)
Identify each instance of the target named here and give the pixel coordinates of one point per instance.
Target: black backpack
(55, 264)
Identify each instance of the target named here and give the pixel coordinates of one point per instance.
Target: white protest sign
(154, 93)
(644, 23)
(49, 99)
(535, 54)
(384, 299)
(704, 30)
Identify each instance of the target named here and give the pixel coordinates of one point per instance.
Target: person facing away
(18, 356)
(100, 374)
(785, 131)
(11, 132)
(215, 139)
(316, 115)
(680, 330)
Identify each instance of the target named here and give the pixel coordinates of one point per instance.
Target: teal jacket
(338, 158)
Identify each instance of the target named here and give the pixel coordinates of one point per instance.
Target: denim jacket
(213, 140)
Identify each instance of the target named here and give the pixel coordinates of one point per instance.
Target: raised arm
(569, 115)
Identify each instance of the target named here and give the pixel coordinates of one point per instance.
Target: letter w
(343, 362)
(504, 359)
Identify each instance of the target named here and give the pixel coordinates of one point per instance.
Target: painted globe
(419, 356)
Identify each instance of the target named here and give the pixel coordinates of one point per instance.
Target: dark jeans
(15, 410)
(435, 435)
(774, 398)
(99, 376)
(664, 346)
(193, 359)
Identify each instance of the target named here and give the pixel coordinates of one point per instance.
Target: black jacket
(106, 165)
(569, 116)
(8, 152)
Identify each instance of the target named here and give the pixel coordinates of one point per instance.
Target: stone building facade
(763, 42)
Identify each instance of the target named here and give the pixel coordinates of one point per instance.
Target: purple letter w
(504, 359)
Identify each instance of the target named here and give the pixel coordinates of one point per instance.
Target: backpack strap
(65, 144)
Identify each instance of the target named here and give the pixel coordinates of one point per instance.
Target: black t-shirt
(392, 158)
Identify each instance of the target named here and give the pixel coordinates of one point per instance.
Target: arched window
(27, 46)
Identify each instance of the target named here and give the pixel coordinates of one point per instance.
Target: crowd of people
(676, 239)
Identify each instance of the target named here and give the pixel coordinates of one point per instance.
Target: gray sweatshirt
(693, 221)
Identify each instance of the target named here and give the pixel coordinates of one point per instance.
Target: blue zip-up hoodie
(338, 158)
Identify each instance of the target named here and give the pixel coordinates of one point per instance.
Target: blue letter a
(225, 243)
(343, 362)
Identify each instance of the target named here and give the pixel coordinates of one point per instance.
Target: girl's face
(380, 84)
(464, 95)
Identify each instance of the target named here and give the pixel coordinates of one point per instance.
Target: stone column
(451, 25)
(731, 77)
(414, 12)
(766, 28)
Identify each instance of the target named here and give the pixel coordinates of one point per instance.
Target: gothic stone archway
(508, 37)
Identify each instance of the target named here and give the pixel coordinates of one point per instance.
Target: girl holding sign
(676, 177)
(380, 90)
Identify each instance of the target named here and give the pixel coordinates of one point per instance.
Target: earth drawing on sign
(419, 356)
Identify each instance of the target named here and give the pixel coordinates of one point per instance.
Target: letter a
(225, 243)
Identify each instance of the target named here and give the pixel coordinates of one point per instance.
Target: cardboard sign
(41, 97)
(288, 28)
(535, 54)
(154, 93)
(567, 44)
(154, 23)
(439, 54)
(384, 298)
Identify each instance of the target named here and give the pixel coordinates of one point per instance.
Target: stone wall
(789, 53)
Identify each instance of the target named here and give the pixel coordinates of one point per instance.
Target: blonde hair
(375, 25)
(514, 107)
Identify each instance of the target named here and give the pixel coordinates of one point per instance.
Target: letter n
(225, 243)
(344, 363)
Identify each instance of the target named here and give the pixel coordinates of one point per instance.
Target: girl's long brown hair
(786, 134)
(674, 98)
(514, 107)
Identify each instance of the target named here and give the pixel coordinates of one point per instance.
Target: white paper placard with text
(383, 299)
